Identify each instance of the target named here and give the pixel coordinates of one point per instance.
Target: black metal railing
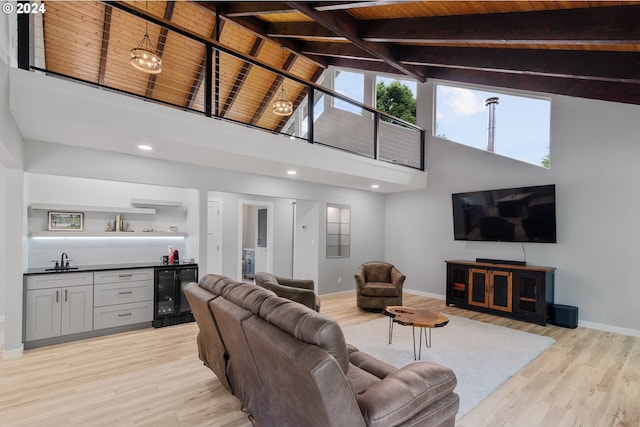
(223, 84)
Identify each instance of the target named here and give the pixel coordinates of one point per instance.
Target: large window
(349, 84)
(511, 125)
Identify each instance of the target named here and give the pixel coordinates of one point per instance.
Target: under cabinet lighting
(108, 237)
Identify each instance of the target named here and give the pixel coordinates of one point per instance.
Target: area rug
(483, 356)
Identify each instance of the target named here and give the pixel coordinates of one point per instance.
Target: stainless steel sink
(61, 269)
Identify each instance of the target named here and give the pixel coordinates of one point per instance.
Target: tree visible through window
(520, 127)
(397, 99)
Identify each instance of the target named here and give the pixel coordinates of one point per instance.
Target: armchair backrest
(377, 271)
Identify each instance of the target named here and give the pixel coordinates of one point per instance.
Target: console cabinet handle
(125, 276)
(124, 314)
(125, 292)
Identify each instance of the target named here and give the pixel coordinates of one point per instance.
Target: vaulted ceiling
(587, 49)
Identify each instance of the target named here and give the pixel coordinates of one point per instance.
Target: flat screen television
(523, 214)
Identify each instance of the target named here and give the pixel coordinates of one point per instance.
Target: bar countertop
(103, 267)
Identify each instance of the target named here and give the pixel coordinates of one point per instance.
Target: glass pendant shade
(282, 106)
(143, 57)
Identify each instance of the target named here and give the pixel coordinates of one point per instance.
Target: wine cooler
(171, 306)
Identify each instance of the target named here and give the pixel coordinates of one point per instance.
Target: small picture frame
(66, 221)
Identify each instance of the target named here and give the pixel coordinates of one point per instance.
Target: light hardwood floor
(153, 377)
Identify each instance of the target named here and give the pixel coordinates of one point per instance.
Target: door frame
(219, 232)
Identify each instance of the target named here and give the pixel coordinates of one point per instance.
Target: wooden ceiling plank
(597, 25)
(241, 77)
(162, 40)
(106, 28)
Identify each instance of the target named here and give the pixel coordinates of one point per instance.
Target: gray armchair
(298, 290)
(378, 284)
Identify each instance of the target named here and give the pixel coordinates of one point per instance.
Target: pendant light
(143, 57)
(282, 106)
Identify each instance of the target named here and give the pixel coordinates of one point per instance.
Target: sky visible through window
(522, 123)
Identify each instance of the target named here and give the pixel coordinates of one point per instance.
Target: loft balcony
(211, 104)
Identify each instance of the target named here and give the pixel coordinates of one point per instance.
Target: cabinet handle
(125, 293)
(66, 293)
(124, 276)
(124, 314)
(57, 296)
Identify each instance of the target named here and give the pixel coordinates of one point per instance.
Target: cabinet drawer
(122, 314)
(58, 280)
(120, 293)
(121, 276)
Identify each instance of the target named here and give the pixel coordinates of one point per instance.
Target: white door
(213, 245)
(262, 242)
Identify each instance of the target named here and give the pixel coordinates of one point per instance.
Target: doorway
(214, 236)
(255, 242)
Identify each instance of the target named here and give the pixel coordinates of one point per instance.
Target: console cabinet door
(43, 309)
(501, 290)
(77, 309)
(457, 284)
(479, 287)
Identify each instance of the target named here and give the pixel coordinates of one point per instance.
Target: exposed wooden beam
(241, 77)
(344, 25)
(337, 50)
(346, 5)
(162, 40)
(582, 26)
(304, 30)
(253, 8)
(104, 50)
(583, 65)
(288, 63)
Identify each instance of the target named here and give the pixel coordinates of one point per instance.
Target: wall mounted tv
(524, 214)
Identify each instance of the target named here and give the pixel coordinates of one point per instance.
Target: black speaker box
(564, 315)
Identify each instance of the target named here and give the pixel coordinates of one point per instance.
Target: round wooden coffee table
(416, 318)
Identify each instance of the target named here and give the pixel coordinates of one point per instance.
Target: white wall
(305, 265)
(594, 165)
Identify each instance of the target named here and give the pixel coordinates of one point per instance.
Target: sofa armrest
(397, 278)
(360, 278)
(406, 392)
(296, 283)
(303, 296)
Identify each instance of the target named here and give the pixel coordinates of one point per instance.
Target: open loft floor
(153, 377)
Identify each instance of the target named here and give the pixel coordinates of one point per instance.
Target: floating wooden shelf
(151, 202)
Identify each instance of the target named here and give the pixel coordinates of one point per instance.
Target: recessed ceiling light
(291, 172)
(145, 147)
(375, 186)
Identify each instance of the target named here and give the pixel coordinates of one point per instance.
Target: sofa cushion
(379, 289)
(404, 393)
(307, 325)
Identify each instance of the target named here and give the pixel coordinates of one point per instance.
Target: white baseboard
(350, 291)
(13, 353)
(424, 294)
(609, 328)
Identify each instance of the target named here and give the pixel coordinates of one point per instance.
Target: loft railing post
(422, 149)
(310, 122)
(376, 134)
(24, 37)
(208, 77)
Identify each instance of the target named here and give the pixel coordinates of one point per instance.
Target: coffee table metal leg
(413, 331)
(390, 329)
